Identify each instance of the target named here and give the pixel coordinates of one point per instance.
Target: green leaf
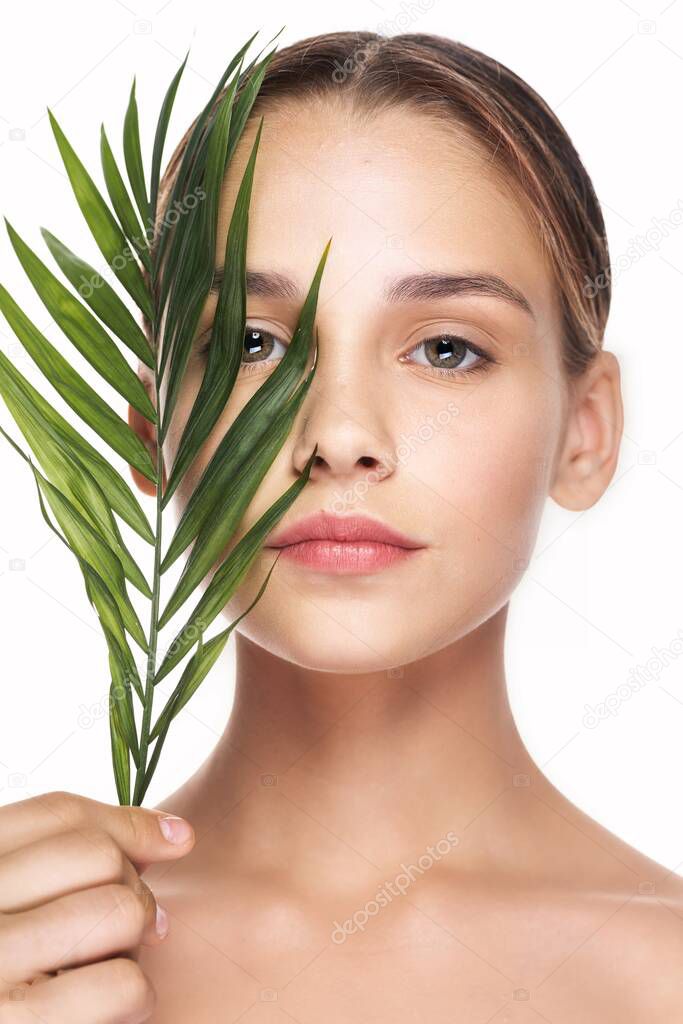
(191, 294)
(221, 526)
(227, 336)
(199, 666)
(180, 263)
(133, 157)
(160, 136)
(119, 748)
(191, 157)
(89, 545)
(81, 328)
(253, 420)
(121, 201)
(168, 277)
(101, 298)
(194, 674)
(121, 663)
(106, 232)
(231, 573)
(82, 398)
(125, 703)
(245, 102)
(70, 475)
(40, 497)
(113, 627)
(13, 385)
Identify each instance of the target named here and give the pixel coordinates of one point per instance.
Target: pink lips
(343, 544)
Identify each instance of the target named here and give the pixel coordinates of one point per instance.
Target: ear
(590, 449)
(146, 431)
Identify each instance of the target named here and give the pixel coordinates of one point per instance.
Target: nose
(342, 413)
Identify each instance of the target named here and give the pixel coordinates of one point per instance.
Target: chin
(313, 639)
(356, 627)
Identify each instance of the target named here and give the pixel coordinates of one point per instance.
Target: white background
(602, 594)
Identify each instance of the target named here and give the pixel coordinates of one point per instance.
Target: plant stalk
(139, 791)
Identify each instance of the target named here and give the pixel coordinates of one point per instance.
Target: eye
(258, 346)
(451, 355)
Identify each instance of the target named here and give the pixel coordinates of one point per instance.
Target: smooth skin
(371, 747)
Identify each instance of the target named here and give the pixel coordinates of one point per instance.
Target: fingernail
(161, 923)
(176, 830)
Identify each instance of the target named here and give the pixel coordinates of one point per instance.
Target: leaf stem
(145, 728)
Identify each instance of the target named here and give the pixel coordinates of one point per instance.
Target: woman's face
(424, 434)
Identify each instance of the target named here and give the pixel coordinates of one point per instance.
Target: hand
(74, 910)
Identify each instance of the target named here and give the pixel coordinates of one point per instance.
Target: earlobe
(591, 443)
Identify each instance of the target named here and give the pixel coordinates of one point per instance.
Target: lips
(344, 544)
(343, 529)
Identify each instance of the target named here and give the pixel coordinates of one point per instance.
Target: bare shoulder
(638, 949)
(649, 943)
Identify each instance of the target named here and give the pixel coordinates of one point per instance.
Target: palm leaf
(14, 386)
(180, 186)
(230, 574)
(82, 328)
(160, 137)
(121, 201)
(166, 270)
(82, 398)
(191, 287)
(101, 298)
(185, 249)
(102, 223)
(194, 673)
(89, 545)
(71, 476)
(225, 353)
(233, 503)
(120, 754)
(133, 156)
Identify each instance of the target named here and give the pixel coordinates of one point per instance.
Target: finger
(108, 992)
(59, 864)
(73, 930)
(69, 862)
(135, 829)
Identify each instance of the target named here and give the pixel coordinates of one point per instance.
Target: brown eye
(258, 345)
(449, 353)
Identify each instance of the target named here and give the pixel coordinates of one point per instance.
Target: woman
(369, 838)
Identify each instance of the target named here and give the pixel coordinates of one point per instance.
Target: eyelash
(484, 363)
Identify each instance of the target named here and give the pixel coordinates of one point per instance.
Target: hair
(499, 113)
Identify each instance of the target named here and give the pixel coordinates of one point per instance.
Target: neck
(321, 769)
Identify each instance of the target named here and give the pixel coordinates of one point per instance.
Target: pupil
(255, 344)
(439, 348)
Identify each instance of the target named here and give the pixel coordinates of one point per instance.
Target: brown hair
(501, 114)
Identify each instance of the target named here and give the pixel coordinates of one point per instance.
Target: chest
(261, 959)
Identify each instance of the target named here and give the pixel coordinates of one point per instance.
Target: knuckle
(105, 850)
(67, 807)
(128, 907)
(134, 990)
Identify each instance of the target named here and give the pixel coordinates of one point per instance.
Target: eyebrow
(410, 288)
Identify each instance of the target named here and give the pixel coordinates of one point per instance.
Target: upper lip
(326, 526)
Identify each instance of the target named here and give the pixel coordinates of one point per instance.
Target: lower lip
(346, 556)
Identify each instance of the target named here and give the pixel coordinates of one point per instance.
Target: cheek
(487, 475)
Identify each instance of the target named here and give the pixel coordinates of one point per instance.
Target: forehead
(398, 192)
